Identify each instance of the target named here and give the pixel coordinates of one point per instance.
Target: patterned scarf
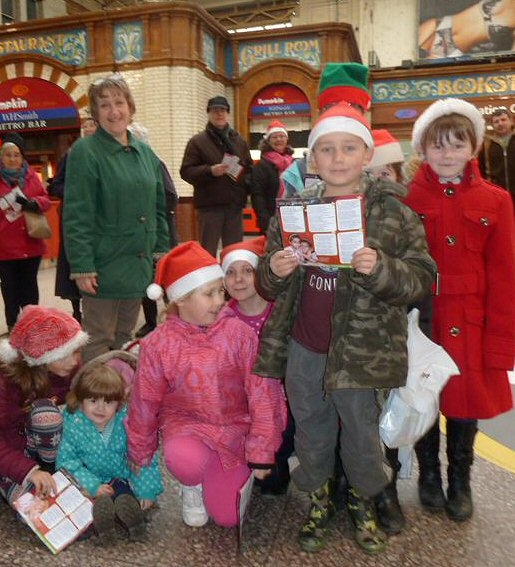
(15, 177)
(282, 162)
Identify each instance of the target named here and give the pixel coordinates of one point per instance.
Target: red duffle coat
(470, 230)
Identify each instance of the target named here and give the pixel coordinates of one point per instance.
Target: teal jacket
(114, 214)
(94, 459)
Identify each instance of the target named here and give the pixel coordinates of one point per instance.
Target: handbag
(37, 225)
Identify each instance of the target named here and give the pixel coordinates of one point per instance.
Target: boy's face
(203, 305)
(239, 280)
(339, 158)
(449, 159)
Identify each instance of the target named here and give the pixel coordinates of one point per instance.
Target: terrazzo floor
(269, 536)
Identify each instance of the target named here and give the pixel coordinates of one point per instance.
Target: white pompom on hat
(387, 149)
(247, 250)
(273, 127)
(42, 335)
(182, 270)
(341, 118)
(444, 107)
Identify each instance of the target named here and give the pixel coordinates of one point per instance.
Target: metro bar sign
(28, 104)
(279, 100)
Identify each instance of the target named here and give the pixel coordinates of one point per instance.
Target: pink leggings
(192, 462)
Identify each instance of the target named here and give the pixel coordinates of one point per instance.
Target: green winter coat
(369, 323)
(114, 214)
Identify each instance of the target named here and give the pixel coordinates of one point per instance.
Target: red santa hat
(248, 251)
(386, 149)
(444, 107)
(273, 127)
(341, 118)
(182, 270)
(42, 335)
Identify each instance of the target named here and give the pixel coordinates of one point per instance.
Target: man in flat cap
(217, 163)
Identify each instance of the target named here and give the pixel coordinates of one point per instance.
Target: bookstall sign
(434, 88)
(35, 104)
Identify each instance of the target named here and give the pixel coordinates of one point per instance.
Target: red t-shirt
(312, 326)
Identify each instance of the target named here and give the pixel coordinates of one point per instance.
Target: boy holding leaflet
(338, 336)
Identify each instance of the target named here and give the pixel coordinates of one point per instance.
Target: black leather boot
(460, 453)
(430, 489)
(388, 510)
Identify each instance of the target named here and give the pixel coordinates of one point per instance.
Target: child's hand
(261, 474)
(284, 262)
(146, 504)
(105, 490)
(43, 483)
(364, 260)
(134, 467)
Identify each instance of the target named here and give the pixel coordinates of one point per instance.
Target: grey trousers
(219, 222)
(109, 323)
(318, 417)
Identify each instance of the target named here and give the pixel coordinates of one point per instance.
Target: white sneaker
(193, 511)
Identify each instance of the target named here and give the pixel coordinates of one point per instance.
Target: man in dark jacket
(497, 158)
(217, 163)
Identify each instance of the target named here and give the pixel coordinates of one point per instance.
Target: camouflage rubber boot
(312, 533)
(362, 512)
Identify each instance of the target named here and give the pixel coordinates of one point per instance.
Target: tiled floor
(269, 537)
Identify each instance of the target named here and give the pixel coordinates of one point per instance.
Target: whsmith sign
(35, 104)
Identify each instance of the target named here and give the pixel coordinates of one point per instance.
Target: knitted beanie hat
(386, 149)
(341, 118)
(42, 335)
(344, 82)
(185, 268)
(248, 251)
(14, 138)
(444, 107)
(218, 102)
(273, 127)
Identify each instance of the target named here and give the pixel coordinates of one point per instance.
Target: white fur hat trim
(194, 279)
(442, 108)
(385, 154)
(333, 124)
(235, 255)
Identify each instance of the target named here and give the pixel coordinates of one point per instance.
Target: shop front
(400, 95)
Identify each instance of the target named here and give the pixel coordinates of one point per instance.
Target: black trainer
(388, 510)
(130, 515)
(103, 520)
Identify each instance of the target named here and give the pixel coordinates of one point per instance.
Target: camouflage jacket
(369, 323)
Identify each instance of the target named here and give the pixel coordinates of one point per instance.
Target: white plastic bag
(411, 410)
